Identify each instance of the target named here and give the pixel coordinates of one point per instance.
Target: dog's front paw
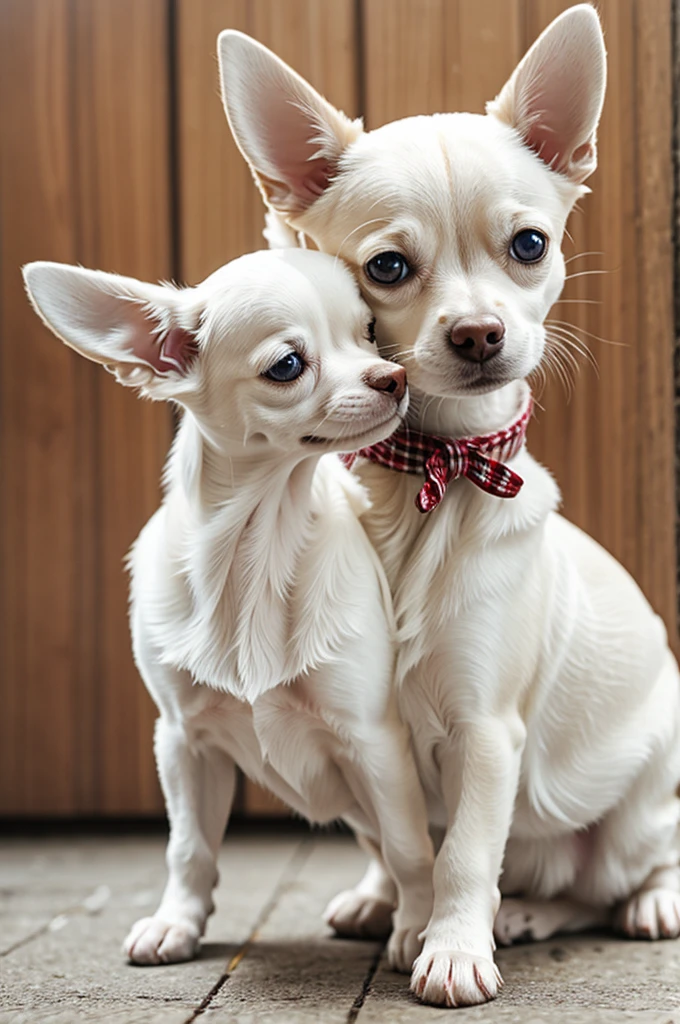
(152, 940)
(454, 978)
(651, 914)
(355, 915)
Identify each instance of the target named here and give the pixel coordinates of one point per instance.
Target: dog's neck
(239, 520)
(213, 475)
(464, 417)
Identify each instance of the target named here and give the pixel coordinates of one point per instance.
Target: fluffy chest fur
(473, 548)
(254, 587)
(505, 609)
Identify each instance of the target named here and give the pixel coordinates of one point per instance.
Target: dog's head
(451, 223)
(275, 348)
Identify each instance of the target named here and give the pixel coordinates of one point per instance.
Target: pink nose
(391, 379)
(478, 339)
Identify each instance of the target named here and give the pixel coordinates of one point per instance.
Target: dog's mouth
(350, 442)
(486, 382)
(481, 379)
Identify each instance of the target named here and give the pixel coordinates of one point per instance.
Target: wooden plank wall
(114, 152)
(84, 177)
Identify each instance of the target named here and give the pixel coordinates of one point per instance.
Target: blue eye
(287, 369)
(387, 268)
(528, 246)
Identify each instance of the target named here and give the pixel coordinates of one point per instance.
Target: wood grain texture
(84, 166)
(655, 327)
(39, 431)
(436, 55)
(123, 150)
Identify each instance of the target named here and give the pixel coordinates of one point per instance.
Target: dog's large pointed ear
(554, 97)
(128, 326)
(291, 136)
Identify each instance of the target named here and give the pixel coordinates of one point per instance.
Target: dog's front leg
(406, 847)
(480, 765)
(198, 784)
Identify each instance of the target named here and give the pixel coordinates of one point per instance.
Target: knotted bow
(443, 459)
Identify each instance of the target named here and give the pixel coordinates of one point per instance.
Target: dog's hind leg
(635, 862)
(365, 912)
(198, 784)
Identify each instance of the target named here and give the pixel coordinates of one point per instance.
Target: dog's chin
(479, 380)
(353, 442)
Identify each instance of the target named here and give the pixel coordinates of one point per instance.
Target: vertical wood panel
(38, 424)
(436, 55)
(84, 177)
(122, 103)
(653, 77)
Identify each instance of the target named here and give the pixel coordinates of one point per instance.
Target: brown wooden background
(114, 153)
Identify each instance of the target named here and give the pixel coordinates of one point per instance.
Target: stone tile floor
(67, 902)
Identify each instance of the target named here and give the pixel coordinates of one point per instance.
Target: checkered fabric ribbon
(443, 459)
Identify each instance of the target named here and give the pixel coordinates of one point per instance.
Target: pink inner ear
(298, 183)
(176, 352)
(546, 144)
(296, 173)
(307, 181)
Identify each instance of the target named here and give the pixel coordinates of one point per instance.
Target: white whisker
(587, 273)
(581, 255)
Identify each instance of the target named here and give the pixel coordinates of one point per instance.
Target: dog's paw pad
(355, 915)
(454, 978)
(404, 946)
(154, 941)
(651, 914)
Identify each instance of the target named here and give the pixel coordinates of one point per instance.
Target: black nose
(478, 339)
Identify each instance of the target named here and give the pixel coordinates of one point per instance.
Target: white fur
(261, 621)
(537, 682)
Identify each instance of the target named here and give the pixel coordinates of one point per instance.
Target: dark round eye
(528, 246)
(287, 369)
(370, 331)
(387, 268)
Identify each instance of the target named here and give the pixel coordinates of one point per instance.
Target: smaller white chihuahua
(255, 571)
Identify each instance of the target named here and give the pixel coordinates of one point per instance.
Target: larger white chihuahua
(540, 691)
(256, 572)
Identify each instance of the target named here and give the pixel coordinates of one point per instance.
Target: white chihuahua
(538, 684)
(256, 571)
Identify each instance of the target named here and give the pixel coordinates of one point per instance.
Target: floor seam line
(297, 861)
(73, 908)
(355, 1008)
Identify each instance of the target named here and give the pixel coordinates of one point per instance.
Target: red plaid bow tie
(443, 459)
